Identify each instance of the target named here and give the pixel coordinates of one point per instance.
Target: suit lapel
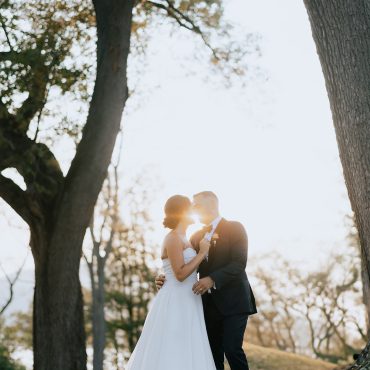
(220, 225)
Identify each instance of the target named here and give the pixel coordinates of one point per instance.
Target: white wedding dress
(174, 335)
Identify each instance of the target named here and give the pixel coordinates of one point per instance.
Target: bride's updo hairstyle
(176, 207)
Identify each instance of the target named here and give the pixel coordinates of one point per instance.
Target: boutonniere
(214, 238)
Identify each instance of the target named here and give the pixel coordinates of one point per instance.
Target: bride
(174, 335)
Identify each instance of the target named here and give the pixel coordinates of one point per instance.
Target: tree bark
(341, 30)
(59, 336)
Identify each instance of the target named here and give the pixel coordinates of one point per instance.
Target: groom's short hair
(207, 194)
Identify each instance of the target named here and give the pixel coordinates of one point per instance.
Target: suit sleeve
(238, 257)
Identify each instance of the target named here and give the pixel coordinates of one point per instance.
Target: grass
(261, 358)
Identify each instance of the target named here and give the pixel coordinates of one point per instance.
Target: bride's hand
(204, 246)
(159, 281)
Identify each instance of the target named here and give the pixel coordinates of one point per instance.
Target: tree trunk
(98, 318)
(341, 30)
(59, 336)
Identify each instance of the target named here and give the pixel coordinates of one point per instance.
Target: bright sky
(269, 152)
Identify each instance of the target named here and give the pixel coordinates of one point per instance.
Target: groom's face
(201, 207)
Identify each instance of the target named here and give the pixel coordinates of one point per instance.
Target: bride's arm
(174, 248)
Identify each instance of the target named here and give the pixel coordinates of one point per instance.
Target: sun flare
(195, 218)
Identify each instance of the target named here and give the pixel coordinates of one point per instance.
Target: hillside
(261, 358)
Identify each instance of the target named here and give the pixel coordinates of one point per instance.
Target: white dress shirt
(214, 224)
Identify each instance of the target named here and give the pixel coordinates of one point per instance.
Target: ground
(261, 358)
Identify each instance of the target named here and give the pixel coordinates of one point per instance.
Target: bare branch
(11, 282)
(186, 22)
(3, 26)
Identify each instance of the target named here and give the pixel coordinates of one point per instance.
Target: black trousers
(225, 334)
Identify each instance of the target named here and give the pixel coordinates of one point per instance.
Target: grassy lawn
(271, 359)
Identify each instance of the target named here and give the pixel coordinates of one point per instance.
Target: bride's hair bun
(175, 209)
(170, 222)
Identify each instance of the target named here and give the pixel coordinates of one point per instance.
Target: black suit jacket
(227, 260)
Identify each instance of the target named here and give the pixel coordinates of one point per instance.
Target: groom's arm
(238, 260)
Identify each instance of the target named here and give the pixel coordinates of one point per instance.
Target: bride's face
(197, 211)
(187, 219)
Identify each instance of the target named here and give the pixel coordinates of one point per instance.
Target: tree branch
(6, 118)
(186, 22)
(91, 271)
(38, 85)
(3, 26)
(36, 98)
(27, 57)
(11, 285)
(15, 197)
(34, 161)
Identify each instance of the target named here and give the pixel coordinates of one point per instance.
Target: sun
(195, 218)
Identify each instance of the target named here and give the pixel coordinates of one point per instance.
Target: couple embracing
(193, 324)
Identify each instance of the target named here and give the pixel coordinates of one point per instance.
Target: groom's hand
(159, 281)
(202, 286)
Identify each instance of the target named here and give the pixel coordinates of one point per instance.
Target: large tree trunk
(59, 337)
(341, 30)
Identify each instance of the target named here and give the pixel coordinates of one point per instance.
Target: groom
(227, 297)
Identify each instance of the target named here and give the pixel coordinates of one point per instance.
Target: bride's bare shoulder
(172, 238)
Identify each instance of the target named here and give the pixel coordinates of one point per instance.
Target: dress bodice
(189, 254)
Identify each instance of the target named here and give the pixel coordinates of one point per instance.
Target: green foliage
(45, 53)
(6, 363)
(17, 333)
(44, 45)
